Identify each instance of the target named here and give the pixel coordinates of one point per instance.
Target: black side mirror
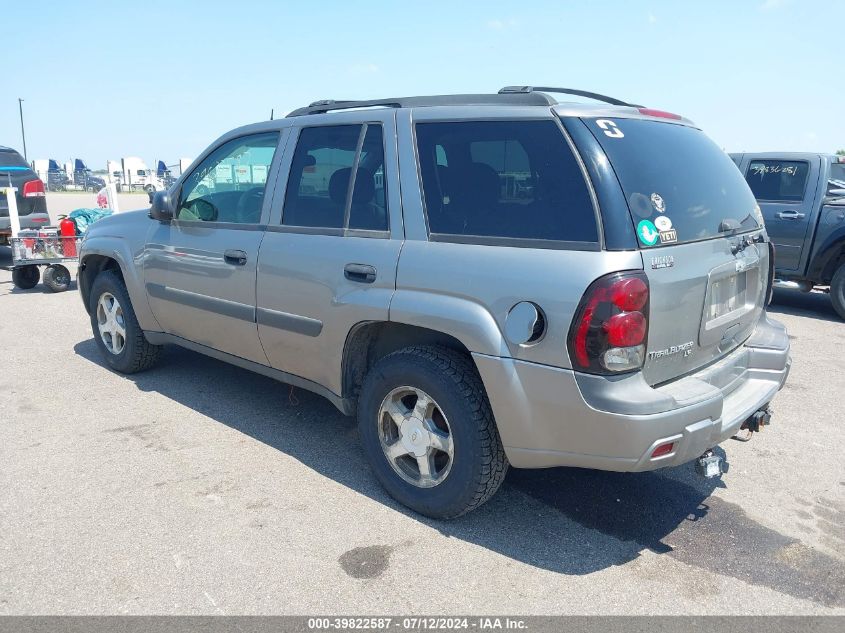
(161, 207)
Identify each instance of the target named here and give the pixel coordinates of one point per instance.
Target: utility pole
(23, 133)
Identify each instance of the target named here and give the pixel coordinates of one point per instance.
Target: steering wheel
(248, 209)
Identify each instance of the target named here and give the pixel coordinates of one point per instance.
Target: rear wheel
(116, 329)
(26, 277)
(837, 291)
(428, 431)
(57, 278)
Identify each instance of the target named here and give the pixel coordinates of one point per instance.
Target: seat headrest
(479, 187)
(365, 186)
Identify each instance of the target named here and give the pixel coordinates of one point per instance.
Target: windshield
(680, 186)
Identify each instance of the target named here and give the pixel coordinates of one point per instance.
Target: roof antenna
(271, 114)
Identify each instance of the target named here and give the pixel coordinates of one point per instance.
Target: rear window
(680, 186)
(778, 180)
(503, 180)
(12, 159)
(837, 171)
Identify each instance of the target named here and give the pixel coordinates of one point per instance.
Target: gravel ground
(200, 488)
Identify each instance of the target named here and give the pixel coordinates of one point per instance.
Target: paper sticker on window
(668, 237)
(658, 203)
(663, 223)
(647, 232)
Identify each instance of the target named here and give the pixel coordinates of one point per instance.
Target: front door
(328, 260)
(785, 191)
(200, 268)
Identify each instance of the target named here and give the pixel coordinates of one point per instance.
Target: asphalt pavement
(201, 488)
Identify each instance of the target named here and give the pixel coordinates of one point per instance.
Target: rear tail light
(609, 332)
(33, 189)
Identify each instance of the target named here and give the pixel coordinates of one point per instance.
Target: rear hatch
(700, 234)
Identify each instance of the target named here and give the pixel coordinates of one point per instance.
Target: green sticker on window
(647, 232)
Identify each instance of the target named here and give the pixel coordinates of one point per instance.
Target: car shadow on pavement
(815, 305)
(565, 520)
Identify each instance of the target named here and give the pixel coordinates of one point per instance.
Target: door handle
(359, 272)
(789, 215)
(236, 258)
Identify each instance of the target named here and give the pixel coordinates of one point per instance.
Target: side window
(504, 179)
(228, 186)
(777, 180)
(319, 184)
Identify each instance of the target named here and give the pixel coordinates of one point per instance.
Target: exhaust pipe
(803, 286)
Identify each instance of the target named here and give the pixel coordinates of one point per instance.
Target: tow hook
(710, 465)
(754, 424)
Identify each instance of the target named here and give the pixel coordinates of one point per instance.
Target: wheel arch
(101, 254)
(369, 341)
(827, 259)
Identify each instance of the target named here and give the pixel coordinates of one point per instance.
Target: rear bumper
(30, 221)
(549, 416)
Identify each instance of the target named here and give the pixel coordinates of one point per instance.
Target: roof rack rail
(501, 98)
(327, 105)
(568, 91)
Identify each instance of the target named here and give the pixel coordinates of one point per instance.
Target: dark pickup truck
(802, 197)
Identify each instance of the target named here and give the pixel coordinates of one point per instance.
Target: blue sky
(161, 80)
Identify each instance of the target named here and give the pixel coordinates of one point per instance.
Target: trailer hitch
(754, 424)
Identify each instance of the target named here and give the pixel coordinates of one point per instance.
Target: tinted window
(319, 176)
(676, 173)
(837, 171)
(318, 186)
(228, 186)
(780, 180)
(510, 179)
(369, 202)
(12, 159)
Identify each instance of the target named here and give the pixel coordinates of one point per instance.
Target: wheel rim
(111, 323)
(416, 437)
(61, 275)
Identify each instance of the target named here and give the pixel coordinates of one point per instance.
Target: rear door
(785, 190)
(696, 223)
(328, 260)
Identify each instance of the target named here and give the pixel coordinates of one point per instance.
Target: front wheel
(115, 327)
(837, 291)
(428, 431)
(26, 277)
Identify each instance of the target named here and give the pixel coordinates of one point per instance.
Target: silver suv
(484, 280)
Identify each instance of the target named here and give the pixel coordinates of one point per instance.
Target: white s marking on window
(610, 128)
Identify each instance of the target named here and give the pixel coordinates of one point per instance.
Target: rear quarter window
(778, 180)
(503, 180)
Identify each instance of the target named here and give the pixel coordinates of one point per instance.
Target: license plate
(727, 295)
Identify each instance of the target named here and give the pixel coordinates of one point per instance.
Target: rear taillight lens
(608, 334)
(33, 189)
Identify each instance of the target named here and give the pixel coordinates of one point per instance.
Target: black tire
(26, 277)
(837, 291)
(479, 464)
(137, 354)
(57, 278)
